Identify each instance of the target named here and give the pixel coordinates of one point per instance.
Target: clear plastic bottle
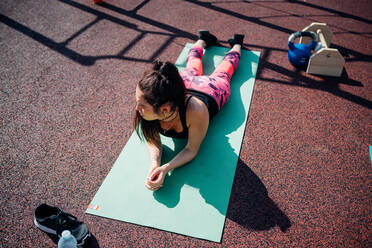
(67, 240)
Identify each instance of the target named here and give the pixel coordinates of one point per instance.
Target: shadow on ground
(250, 205)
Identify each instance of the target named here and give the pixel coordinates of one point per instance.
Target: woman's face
(144, 108)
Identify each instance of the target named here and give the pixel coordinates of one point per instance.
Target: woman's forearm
(185, 156)
(155, 151)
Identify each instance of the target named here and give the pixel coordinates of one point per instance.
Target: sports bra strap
(183, 115)
(187, 102)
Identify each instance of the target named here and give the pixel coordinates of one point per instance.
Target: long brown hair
(161, 84)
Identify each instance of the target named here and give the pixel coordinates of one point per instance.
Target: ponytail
(162, 84)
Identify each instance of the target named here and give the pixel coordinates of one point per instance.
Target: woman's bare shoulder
(196, 110)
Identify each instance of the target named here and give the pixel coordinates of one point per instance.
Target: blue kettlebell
(299, 54)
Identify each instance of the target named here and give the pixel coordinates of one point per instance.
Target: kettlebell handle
(310, 34)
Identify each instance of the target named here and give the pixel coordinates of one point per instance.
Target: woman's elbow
(193, 152)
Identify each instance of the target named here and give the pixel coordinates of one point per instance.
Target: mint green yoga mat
(194, 198)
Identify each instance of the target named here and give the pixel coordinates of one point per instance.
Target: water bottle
(67, 240)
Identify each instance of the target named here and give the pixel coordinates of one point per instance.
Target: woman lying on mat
(180, 105)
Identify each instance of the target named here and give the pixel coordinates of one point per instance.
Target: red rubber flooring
(68, 70)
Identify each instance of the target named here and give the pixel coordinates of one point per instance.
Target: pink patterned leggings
(217, 84)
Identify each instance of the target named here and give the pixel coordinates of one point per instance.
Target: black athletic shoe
(208, 38)
(238, 39)
(54, 221)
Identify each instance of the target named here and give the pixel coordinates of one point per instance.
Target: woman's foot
(208, 38)
(237, 40)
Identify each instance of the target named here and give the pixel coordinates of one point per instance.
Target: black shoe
(208, 38)
(238, 39)
(52, 220)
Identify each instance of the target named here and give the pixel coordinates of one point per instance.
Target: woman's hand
(156, 178)
(148, 177)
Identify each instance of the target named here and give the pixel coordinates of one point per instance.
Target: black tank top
(206, 99)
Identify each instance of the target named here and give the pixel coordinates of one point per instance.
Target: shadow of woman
(250, 206)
